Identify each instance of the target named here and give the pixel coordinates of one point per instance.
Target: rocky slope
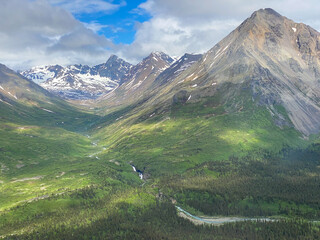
(139, 80)
(272, 60)
(176, 68)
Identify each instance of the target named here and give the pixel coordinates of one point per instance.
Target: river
(217, 220)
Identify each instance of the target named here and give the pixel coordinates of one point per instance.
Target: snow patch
(218, 51)
(294, 29)
(1, 87)
(194, 78)
(189, 98)
(225, 48)
(212, 64)
(13, 95)
(191, 75)
(5, 102)
(47, 110)
(205, 58)
(137, 85)
(217, 56)
(195, 85)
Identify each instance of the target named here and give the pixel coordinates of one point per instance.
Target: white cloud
(36, 33)
(172, 36)
(183, 26)
(87, 6)
(95, 26)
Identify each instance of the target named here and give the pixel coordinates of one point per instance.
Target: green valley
(234, 134)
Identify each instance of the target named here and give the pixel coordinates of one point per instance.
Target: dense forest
(161, 222)
(260, 184)
(280, 185)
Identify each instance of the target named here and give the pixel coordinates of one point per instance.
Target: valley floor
(57, 183)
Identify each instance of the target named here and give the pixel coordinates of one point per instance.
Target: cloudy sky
(42, 32)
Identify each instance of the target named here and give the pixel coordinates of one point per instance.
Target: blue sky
(44, 32)
(118, 24)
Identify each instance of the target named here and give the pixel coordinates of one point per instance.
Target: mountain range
(80, 81)
(83, 82)
(231, 132)
(280, 67)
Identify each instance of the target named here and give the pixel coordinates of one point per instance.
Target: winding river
(217, 220)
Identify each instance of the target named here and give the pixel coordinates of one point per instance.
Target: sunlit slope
(255, 90)
(175, 138)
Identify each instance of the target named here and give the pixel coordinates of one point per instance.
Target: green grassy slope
(187, 134)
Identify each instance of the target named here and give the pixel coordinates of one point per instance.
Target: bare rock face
(277, 58)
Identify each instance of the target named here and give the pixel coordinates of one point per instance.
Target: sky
(43, 32)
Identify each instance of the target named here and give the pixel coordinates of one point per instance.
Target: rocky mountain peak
(261, 21)
(278, 58)
(266, 14)
(156, 56)
(114, 58)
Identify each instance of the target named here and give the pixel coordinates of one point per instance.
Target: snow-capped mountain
(115, 68)
(42, 73)
(80, 81)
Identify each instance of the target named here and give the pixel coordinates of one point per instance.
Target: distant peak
(269, 11)
(160, 55)
(113, 58)
(266, 13)
(157, 54)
